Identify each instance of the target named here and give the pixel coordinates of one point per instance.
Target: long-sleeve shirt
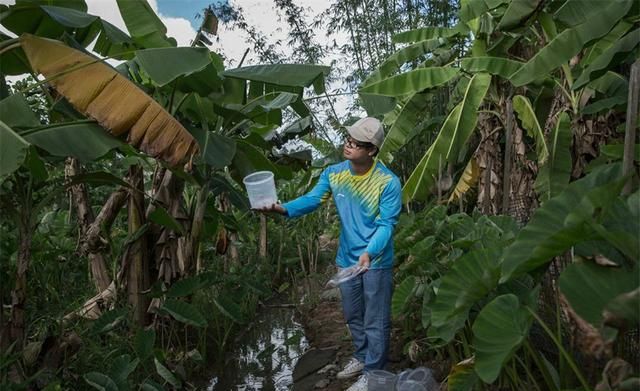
(368, 206)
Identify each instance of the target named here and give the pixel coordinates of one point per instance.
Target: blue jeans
(366, 304)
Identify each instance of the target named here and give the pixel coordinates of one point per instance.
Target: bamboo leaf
(554, 176)
(569, 43)
(412, 81)
(498, 66)
(468, 179)
(13, 150)
(498, 332)
(184, 312)
(527, 116)
(612, 56)
(115, 102)
(454, 133)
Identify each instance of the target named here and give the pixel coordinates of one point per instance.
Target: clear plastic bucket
(261, 189)
(422, 376)
(379, 380)
(410, 385)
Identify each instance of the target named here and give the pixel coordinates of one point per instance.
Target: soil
(325, 329)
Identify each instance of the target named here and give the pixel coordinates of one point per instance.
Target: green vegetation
(129, 257)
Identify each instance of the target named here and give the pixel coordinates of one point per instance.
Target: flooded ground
(265, 355)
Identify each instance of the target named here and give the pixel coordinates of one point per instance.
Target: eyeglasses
(354, 144)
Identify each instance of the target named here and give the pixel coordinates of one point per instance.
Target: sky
(180, 18)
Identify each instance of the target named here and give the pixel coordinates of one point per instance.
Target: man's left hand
(364, 260)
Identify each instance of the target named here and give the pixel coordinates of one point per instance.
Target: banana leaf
(574, 12)
(554, 176)
(516, 12)
(569, 43)
(498, 66)
(116, 103)
(611, 57)
(606, 42)
(454, 134)
(145, 27)
(408, 118)
(467, 180)
(16, 113)
(164, 65)
(13, 150)
(411, 82)
(425, 33)
(527, 116)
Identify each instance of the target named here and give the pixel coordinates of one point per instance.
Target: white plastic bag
(345, 274)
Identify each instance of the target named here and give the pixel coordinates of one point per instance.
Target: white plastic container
(379, 380)
(261, 189)
(345, 274)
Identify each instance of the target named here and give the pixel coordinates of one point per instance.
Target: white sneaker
(353, 367)
(360, 385)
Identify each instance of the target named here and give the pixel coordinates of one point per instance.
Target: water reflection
(265, 355)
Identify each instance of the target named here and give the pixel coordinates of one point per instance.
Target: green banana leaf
(569, 43)
(164, 65)
(605, 42)
(527, 116)
(575, 12)
(411, 82)
(554, 176)
(100, 381)
(84, 140)
(397, 59)
(605, 104)
(498, 66)
(516, 12)
(562, 221)
(13, 150)
(144, 25)
(498, 332)
(425, 33)
(292, 75)
(16, 113)
(589, 287)
(611, 84)
(454, 133)
(408, 118)
(217, 150)
(471, 9)
(611, 57)
(470, 279)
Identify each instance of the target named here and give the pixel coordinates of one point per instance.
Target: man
(368, 198)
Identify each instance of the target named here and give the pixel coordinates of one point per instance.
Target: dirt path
(326, 330)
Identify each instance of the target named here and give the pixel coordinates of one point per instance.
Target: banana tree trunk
(86, 218)
(136, 259)
(19, 293)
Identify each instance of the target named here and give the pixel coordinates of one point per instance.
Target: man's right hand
(274, 208)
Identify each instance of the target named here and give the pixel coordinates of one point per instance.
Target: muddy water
(264, 356)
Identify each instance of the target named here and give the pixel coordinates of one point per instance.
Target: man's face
(356, 150)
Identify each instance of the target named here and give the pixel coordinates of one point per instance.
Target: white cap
(367, 130)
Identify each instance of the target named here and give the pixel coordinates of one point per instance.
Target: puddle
(264, 356)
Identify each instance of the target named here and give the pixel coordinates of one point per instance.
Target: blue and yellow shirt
(368, 206)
